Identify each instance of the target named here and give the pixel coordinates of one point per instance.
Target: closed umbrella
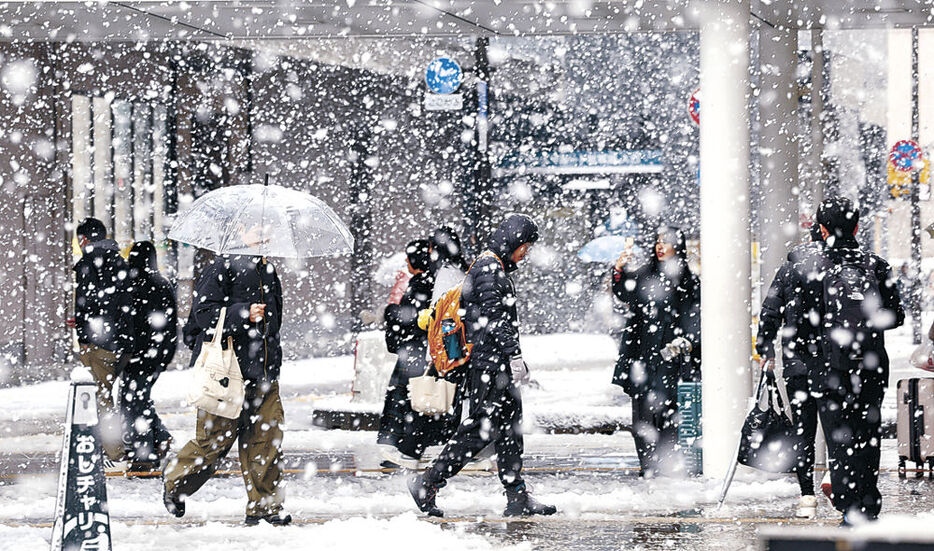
(264, 220)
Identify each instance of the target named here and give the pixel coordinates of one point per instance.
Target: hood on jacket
(142, 258)
(514, 232)
(416, 252)
(446, 247)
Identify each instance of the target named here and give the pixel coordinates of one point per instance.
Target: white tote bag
(218, 383)
(431, 395)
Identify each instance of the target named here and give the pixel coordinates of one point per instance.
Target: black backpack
(850, 298)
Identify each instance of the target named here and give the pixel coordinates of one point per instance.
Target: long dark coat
(664, 303)
(155, 320)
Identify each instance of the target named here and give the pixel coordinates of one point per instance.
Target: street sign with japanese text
(82, 521)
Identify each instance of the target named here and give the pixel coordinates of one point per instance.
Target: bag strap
(773, 390)
(487, 254)
(219, 328)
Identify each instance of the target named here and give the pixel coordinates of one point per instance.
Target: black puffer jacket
(102, 297)
(155, 315)
(664, 303)
(236, 282)
(403, 336)
(489, 296)
(793, 307)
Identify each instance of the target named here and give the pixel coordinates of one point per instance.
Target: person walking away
(447, 261)
(860, 301)
(784, 308)
(155, 331)
(495, 370)
(103, 324)
(660, 346)
(404, 433)
(249, 288)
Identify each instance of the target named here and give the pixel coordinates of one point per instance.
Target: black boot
(519, 503)
(424, 493)
(275, 519)
(173, 504)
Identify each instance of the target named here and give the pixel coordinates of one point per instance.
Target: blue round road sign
(443, 76)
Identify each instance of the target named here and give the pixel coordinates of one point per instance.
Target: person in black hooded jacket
(495, 369)
(155, 331)
(404, 433)
(786, 307)
(660, 345)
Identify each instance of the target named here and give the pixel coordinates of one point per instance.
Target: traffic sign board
(443, 76)
(694, 106)
(905, 156)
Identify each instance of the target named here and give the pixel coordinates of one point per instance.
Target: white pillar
(778, 102)
(816, 157)
(725, 240)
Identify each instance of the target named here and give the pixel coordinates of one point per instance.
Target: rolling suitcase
(915, 425)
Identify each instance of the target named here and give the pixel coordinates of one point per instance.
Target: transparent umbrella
(264, 220)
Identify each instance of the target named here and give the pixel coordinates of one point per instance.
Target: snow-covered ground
(345, 506)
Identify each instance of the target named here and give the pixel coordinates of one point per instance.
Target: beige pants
(260, 436)
(103, 365)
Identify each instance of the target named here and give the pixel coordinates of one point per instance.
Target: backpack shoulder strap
(487, 254)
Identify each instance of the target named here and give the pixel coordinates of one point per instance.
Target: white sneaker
(115, 467)
(393, 455)
(807, 507)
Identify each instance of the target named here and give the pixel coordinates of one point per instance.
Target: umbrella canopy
(264, 220)
(603, 249)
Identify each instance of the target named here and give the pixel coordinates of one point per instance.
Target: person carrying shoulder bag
(249, 291)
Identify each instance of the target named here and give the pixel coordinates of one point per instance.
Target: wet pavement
(698, 526)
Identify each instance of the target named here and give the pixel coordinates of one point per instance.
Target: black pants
(144, 433)
(495, 416)
(655, 430)
(804, 415)
(850, 412)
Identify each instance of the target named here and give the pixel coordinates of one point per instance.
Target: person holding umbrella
(245, 225)
(660, 344)
(249, 288)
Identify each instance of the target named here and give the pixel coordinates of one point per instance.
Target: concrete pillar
(778, 102)
(818, 90)
(725, 235)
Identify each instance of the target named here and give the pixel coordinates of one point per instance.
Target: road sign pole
(915, 299)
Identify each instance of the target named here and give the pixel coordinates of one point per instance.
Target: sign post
(82, 521)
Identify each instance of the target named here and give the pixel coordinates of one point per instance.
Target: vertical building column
(725, 234)
(778, 102)
(818, 86)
